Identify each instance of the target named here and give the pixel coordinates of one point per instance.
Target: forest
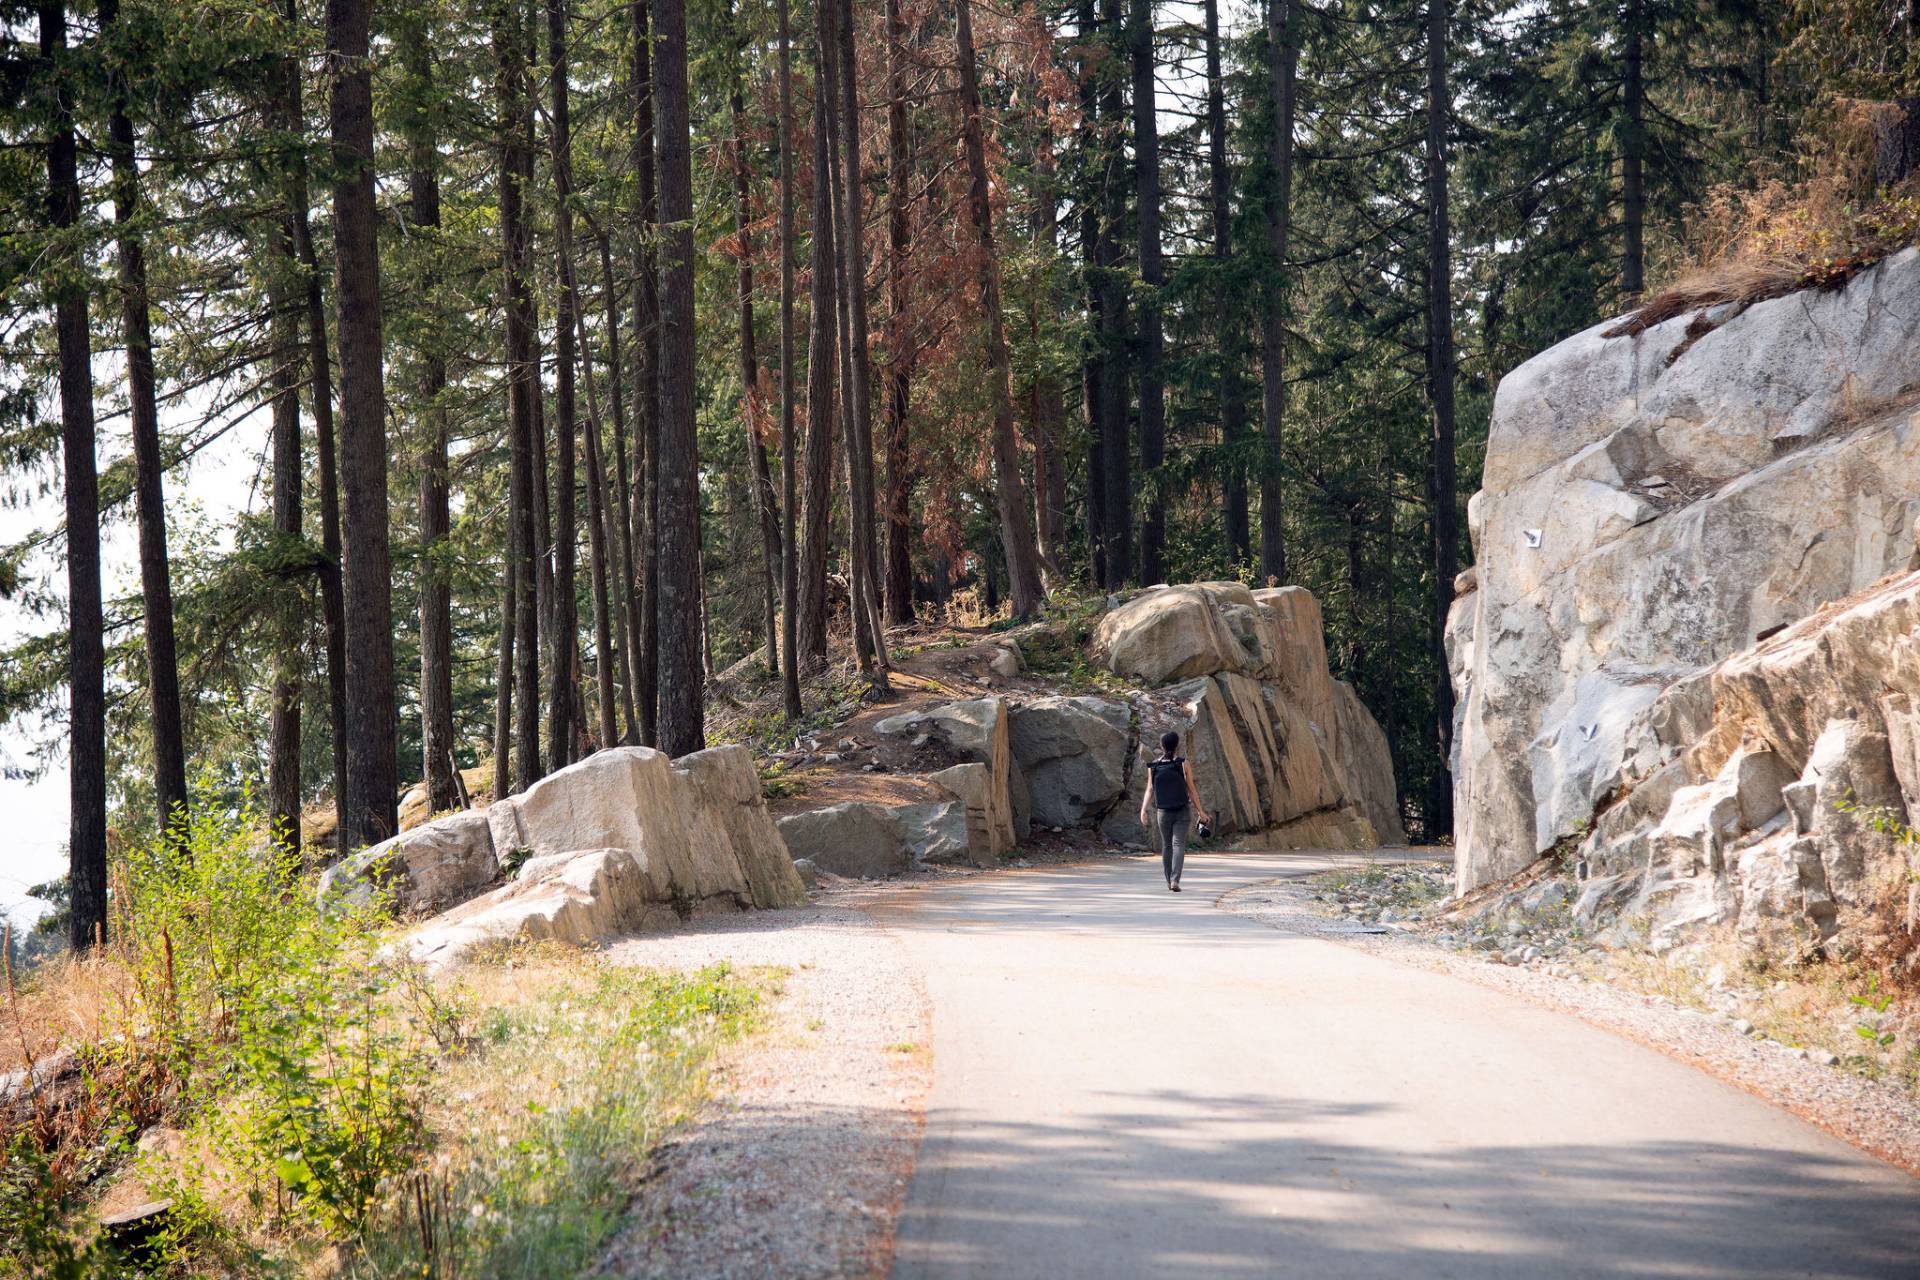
(588, 349)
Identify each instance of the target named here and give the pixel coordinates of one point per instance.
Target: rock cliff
(1641, 653)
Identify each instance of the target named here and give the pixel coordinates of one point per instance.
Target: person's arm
(1193, 792)
(1144, 797)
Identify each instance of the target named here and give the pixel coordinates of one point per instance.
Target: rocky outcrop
(428, 868)
(976, 732)
(623, 840)
(1072, 752)
(1752, 790)
(1651, 506)
(1275, 745)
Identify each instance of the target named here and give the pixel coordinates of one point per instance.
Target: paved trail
(1133, 1083)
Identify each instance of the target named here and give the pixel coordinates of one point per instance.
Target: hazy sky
(220, 481)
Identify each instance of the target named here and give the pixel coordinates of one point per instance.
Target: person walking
(1176, 802)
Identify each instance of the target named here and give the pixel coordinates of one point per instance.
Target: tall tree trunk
(436, 623)
(503, 672)
(1093, 271)
(1153, 277)
(789, 547)
(283, 724)
(752, 414)
(682, 690)
(86, 623)
(822, 352)
(1016, 519)
(646, 398)
(1283, 55)
(520, 616)
(1633, 146)
(1048, 409)
(853, 255)
(1116, 448)
(899, 569)
(1233, 405)
(333, 608)
(829, 89)
(604, 657)
(623, 491)
(366, 572)
(156, 585)
(565, 640)
(1440, 375)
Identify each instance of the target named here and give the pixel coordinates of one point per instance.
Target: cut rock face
(1752, 802)
(1647, 512)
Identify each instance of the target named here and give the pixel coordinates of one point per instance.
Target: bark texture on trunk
(682, 725)
(86, 623)
(752, 412)
(622, 515)
(371, 811)
(436, 625)
(1153, 277)
(565, 640)
(853, 256)
(320, 380)
(520, 641)
(156, 583)
(898, 576)
(1633, 149)
(1440, 376)
(283, 719)
(1048, 402)
(1116, 446)
(1283, 56)
(646, 396)
(822, 354)
(789, 547)
(1016, 517)
(1231, 390)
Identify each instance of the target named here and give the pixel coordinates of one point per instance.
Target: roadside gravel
(1877, 1118)
(799, 1165)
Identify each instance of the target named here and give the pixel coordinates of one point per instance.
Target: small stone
(1742, 1027)
(832, 757)
(1823, 1057)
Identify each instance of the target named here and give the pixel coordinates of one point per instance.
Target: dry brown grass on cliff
(1745, 244)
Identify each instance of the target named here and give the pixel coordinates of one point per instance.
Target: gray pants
(1173, 824)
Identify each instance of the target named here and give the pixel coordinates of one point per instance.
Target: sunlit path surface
(1129, 1082)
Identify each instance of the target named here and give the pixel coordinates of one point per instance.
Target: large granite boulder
(1072, 753)
(850, 839)
(977, 732)
(1650, 506)
(726, 816)
(428, 868)
(1176, 633)
(622, 840)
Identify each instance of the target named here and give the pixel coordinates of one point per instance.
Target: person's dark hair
(1169, 742)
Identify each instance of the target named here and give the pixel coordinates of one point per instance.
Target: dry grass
(1746, 244)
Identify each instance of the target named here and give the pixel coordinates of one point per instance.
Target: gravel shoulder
(799, 1163)
(1876, 1117)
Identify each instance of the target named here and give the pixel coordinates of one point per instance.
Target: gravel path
(1875, 1117)
(800, 1164)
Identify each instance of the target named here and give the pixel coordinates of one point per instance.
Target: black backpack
(1169, 782)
